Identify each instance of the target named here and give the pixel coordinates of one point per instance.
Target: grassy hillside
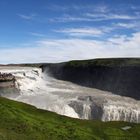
(20, 121)
(106, 62)
(28, 65)
(94, 62)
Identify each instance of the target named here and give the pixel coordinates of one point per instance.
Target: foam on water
(65, 98)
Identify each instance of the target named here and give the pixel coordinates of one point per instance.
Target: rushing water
(65, 98)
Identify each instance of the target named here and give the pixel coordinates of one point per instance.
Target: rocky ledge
(7, 80)
(6, 77)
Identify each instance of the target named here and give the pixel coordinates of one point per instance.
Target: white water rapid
(65, 98)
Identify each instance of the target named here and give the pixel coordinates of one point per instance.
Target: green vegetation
(91, 62)
(27, 65)
(19, 121)
(106, 62)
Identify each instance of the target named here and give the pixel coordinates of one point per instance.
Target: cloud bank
(58, 50)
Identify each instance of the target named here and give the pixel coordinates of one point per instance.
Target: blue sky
(62, 30)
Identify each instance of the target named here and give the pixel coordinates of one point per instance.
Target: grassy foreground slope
(19, 121)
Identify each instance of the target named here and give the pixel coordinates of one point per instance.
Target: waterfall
(36, 89)
(121, 113)
(86, 111)
(65, 98)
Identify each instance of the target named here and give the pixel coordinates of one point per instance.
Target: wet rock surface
(7, 80)
(6, 77)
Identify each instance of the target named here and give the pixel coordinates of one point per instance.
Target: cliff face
(7, 80)
(118, 76)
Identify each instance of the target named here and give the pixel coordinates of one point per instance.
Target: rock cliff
(119, 76)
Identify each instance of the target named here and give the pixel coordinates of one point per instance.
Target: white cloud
(100, 17)
(26, 17)
(78, 32)
(125, 42)
(94, 17)
(131, 25)
(68, 18)
(57, 50)
(36, 34)
(102, 8)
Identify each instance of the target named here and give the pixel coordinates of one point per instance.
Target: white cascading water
(121, 112)
(66, 98)
(86, 111)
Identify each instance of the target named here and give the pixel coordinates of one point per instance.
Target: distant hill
(27, 65)
(110, 62)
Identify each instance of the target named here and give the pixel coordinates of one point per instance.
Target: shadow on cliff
(120, 80)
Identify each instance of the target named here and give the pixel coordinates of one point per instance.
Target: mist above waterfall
(65, 98)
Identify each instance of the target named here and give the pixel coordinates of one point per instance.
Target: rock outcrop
(7, 80)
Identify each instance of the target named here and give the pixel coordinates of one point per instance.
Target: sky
(33, 31)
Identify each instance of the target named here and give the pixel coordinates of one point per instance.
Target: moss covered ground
(19, 121)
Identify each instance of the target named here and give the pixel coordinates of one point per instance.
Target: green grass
(120, 62)
(19, 121)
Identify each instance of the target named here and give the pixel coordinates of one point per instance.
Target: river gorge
(41, 89)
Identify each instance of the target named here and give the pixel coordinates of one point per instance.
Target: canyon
(42, 89)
